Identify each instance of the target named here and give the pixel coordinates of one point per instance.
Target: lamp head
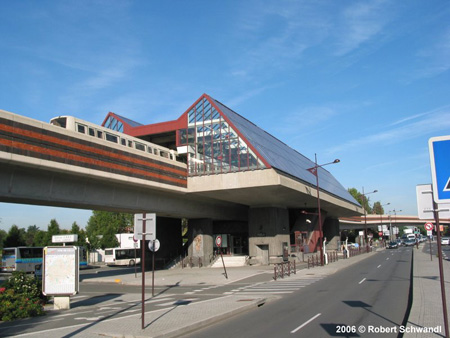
(337, 160)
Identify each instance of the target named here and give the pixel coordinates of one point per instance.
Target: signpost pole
(219, 245)
(441, 270)
(143, 271)
(153, 269)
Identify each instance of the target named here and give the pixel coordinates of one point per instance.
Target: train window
(149, 150)
(91, 132)
(81, 128)
(99, 134)
(123, 142)
(130, 144)
(139, 146)
(111, 137)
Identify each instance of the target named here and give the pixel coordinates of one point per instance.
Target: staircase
(230, 261)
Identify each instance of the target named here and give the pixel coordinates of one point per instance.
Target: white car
(445, 241)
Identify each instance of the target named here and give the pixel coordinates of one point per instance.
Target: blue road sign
(440, 167)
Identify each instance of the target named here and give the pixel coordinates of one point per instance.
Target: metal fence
(284, 269)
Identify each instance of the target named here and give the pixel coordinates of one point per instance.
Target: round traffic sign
(219, 241)
(154, 245)
(429, 226)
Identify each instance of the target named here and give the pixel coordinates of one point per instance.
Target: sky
(367, 82)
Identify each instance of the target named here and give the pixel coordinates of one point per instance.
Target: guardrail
(314, 260)
(284, 269)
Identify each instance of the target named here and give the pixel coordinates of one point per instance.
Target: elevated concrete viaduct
(212, 166)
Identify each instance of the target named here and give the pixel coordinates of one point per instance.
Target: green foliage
(15, 237)
(361, 199)
(103, 226)
(21, 297)
(30, 236)
(3, 235)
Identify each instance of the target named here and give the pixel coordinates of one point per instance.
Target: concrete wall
(331, 232)
(268, 231)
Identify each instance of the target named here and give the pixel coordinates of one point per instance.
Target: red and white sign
(429, 226)
(219, 241)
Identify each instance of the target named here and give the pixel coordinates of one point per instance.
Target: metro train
(93, 130)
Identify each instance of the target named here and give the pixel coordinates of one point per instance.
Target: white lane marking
(362, 281)
(387, 258)
(306, 323)
(379, 266)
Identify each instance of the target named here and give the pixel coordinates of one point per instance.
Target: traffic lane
(376, 299)
(310, 312)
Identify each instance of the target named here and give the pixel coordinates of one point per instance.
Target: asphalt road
(367, 296)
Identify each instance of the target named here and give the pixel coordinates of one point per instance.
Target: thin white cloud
(360, 23)
(434, 123)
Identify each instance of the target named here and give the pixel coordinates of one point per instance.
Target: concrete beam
(27, 185)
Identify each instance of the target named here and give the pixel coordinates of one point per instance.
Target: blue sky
(367, 82)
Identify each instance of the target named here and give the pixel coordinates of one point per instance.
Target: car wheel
(131, 263)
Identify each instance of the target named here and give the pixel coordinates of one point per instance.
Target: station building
(231, 159)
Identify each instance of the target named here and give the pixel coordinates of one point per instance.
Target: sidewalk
(182, 318)
(426, 311)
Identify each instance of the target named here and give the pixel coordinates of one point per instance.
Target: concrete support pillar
(168, 232)
(268, 235)
(331, 232)
(201, 240)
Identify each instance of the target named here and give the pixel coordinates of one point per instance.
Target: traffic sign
(219, 241)
(150, 226)
(429, 226)
(439, 148)
(154, 245)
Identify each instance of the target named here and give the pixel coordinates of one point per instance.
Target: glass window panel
(113, 124)
(182, 137)
(91, 132)
(139, 146)
(111, 137)
(120, 127)
(108, 122)
(207, 113)
(99, 134)
(215, 114)
(191, 116)
(81, 129)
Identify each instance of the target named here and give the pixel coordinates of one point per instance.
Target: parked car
(445, 240)
(392, 245)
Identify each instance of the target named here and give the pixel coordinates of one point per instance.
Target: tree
(103, 226)
(361, 199)
(15, 237)
(52, 229)
(76, 230)
(3, 235)
(377, 208)
(30, 236)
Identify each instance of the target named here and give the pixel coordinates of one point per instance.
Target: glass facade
(214, 147)
(114, 124)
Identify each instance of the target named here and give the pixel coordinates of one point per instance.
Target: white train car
(93, 130)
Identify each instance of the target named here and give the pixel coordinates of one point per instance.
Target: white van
(411, 236)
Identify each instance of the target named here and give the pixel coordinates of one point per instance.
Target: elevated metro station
(230, 159)
(212, 166)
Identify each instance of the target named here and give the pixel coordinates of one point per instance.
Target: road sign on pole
(429, 226)
(150, 226)
(439, 148)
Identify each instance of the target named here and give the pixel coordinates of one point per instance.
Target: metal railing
(284, 269)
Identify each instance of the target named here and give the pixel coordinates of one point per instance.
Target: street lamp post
(395, 221)
(365, 215)
(315, 171)
(381, 218)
